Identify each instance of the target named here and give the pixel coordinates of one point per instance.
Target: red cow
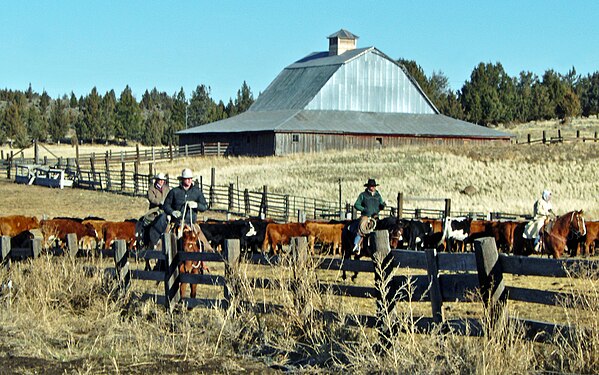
(15, 224)
(592, 237)
(278, 235)
(326, 234)
(119, 230)
(58, 229)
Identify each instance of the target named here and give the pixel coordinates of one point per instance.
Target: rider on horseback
(543, 211)
(369, 203)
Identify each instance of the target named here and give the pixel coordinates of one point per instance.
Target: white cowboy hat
(160, 176)
(186, 173)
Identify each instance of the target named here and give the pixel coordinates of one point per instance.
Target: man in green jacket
(369, 203)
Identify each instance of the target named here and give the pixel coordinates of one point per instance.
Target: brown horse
(565, 227)
(190, 242)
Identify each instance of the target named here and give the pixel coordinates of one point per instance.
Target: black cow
(417, 234)
(250, 233)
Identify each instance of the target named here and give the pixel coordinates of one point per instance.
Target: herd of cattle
(255, 235)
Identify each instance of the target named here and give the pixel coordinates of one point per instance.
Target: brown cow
(278, 235)
(15, 224)
(503, 232)
(87, 241)
(326, 234)
(119, 230)
(592, 237)
(58, 229)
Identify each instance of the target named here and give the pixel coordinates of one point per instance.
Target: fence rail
(449, 278)
(546, 138)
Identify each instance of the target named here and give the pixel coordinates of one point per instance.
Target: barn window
(379, 141)
(295, 137)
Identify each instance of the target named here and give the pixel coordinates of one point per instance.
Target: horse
(191, 242)
(393, 225)
(554, 237)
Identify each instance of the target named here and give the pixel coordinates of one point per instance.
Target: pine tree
(36, 124)
(15, 125)
(244, 99)
(44, 102)
(201, 109)
(73, 103)
(129, 119)
(57, 125)
(154, 127)
(90, 124)
(589, 94)
(108, 115)
(177, 118)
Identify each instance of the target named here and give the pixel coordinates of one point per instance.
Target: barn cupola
(341, 41)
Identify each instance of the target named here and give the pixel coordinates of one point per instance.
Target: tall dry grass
(508, 178)
(59, 314)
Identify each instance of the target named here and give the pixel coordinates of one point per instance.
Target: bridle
(576, 230)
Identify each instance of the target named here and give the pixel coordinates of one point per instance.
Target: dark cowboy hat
(371, 182)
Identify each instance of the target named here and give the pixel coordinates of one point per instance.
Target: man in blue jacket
(369, 203)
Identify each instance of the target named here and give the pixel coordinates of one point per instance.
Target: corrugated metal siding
(370, 83)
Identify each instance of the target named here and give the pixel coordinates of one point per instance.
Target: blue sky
(64, 46)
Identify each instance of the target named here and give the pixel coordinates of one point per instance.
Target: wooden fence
(546, 138)
(450, 278)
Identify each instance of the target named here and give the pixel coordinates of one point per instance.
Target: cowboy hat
(371, 182)
(186, 173)
(160, 176)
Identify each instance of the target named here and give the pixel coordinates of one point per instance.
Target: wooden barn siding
(260, 144)
(314, 142)
(268, 143)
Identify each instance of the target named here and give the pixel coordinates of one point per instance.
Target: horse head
(577, 225)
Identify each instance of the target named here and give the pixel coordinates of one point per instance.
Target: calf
(325, 234)
(278, 235)
(416, 232)
(15, 224)
(98, 224)
(58, 229)
(191, 242)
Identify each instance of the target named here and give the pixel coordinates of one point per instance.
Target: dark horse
(392, 224)
(567, 227)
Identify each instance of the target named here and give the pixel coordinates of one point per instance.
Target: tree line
(96, 118)
(492, 97)
(489, 97)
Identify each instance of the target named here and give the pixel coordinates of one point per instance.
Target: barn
(343, 98)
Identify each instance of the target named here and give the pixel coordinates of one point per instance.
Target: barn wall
(291, 143)
(256, 144)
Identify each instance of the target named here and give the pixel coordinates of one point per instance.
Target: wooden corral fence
(546, 138)
(450, 278)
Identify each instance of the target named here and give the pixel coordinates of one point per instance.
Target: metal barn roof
(348, 122)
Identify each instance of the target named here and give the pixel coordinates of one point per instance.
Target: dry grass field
(57, 319)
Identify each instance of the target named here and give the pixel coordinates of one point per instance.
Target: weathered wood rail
(450, 278)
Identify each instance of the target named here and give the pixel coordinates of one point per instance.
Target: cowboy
(542, 212)
(158, 191)
(369, 203)
(175, 202)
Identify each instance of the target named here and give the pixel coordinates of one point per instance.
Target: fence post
(107, 171)
(299, 257)
(595, 140)
(417, 213)
(231, 254)
(170, 152)
(490, 275)
(559, 135)
(77, 154)
(528, 138)
(172, 293)
(72, 244)
(231, 205)
(301, 216)
(544, 137)
(211, 192)
(578, 134)
(354, 213)
(137, 156)
(246, 202)
(217, 148)
(383, 272)
(286, 203)
(92, 166)
(400, 205)
(264, 203)
(432, 267)
(8, 168)
(5, 251)
(135, 178)
(121, 262)
(447, 210)
(123, 181)
(36, 152)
